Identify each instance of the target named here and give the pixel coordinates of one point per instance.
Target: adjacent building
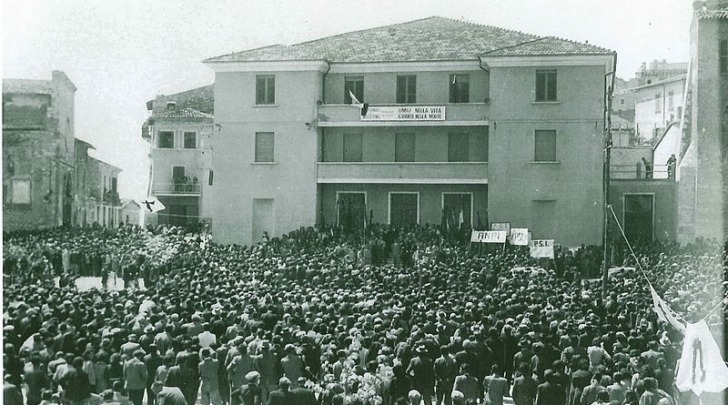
(38, 152)
(130, 213)
(179, 132)
(411, 123)
(701, 168)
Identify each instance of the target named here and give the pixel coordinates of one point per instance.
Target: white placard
(542, 248)
(405, 113)
(518, 237)
(488, 236)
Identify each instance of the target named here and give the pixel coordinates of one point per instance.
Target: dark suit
(279, 397)
(304, 396)
(548, 394)
(248, 394)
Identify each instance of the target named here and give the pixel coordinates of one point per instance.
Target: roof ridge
(515, 45)
(362, 30)
(577, 42)
(247, 50)
(490, 26)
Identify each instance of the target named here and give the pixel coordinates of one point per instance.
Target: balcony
(403, 173)
(112, 197)
(638, 171)
(179, 188)
(346, 115)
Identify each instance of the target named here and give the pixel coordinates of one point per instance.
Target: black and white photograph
(337, 202)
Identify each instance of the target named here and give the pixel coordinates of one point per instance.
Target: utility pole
(609, 88)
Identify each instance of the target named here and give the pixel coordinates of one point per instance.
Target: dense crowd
(318, 316)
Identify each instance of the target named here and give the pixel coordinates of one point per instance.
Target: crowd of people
(318, 316)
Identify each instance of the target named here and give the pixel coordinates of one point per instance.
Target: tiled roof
(549, 46)
(181, 113)
(429, 39)
(720, 14)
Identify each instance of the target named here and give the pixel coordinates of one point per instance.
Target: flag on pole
(461, 219)
(701, 368)
(354, 101)
(664, 312)
(152, 205)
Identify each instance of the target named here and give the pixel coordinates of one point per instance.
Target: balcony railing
(178, 188)
(112, 197)
(403, 172)
(638, 171)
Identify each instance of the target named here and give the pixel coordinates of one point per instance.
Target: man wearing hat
(135, 377)
(283, 395)
(250, 393)
(303, 395)
(420, 370)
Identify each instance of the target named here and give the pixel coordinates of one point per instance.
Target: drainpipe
(320, 141)
(480, 65)
(608, 91)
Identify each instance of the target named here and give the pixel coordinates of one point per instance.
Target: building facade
(422, 122)
(702, 170)
(104, 203)
(38, 152)
(180, 142)
(657, 105)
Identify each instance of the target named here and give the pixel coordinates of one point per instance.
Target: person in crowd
(466, 384)
(283, 395)
(208, 371)
(524, 387)
(135, 377)
(495, 386)
(445, 371)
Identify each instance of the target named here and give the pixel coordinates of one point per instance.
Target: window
(453, 206)
(404, 147)
(723, 56)
(21, 191)
(210, 177)
(352, 147)
(458, 145)
(546, 85)
(190, 140)
(658, 104)
(670, 101)
(264, 146)
(545, 146)
(404, 209)
(351, 211)
(166, 140)
(459, 88)
(355, 85)
(265, 89)
(114, 182)
(407, 89)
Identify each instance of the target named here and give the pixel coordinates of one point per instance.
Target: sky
(120, 54)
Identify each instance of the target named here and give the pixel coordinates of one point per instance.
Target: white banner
(488, 236)
(405, 113)
(542, 248)
(518, 237)
(501, 226)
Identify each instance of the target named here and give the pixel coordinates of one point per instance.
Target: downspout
(608, 91)
(321, 144)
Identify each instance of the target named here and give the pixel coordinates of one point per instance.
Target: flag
(664, 312)
(152, 205)
(480, 223)
(355, 101)
(461, 219)
(701, 368)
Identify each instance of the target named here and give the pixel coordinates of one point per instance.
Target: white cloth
(701, 368)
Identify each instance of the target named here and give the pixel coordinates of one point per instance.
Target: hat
(252, 376)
